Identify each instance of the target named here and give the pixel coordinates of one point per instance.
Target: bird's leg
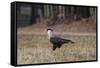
(54, 47)
(59, 46)
(71, 41)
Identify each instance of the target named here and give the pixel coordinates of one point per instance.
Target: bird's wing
(56, 39)
(59, 40)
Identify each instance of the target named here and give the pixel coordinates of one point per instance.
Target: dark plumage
(56, 41)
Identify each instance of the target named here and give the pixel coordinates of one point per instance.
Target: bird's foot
(54, 48)
(72, 42)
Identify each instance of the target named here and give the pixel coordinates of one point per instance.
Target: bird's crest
(49, 29)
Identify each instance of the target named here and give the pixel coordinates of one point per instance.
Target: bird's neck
(50, 34)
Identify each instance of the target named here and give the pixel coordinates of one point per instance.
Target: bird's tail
(67, 41)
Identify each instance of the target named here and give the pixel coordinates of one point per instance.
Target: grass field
(35, 48)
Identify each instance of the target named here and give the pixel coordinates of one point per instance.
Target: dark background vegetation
(28, 14)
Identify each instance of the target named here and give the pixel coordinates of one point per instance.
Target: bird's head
(49, 29)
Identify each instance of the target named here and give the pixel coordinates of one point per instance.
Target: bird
(56, 41)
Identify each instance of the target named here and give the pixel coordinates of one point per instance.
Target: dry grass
(33, 49)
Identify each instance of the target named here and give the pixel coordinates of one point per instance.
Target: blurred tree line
(61, 11)
(30, 12)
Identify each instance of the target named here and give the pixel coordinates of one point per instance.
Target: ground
(37, 49)
(34, 47)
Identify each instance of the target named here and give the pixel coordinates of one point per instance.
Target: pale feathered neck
(50, 34)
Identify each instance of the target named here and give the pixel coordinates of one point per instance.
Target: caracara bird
(55, 40)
